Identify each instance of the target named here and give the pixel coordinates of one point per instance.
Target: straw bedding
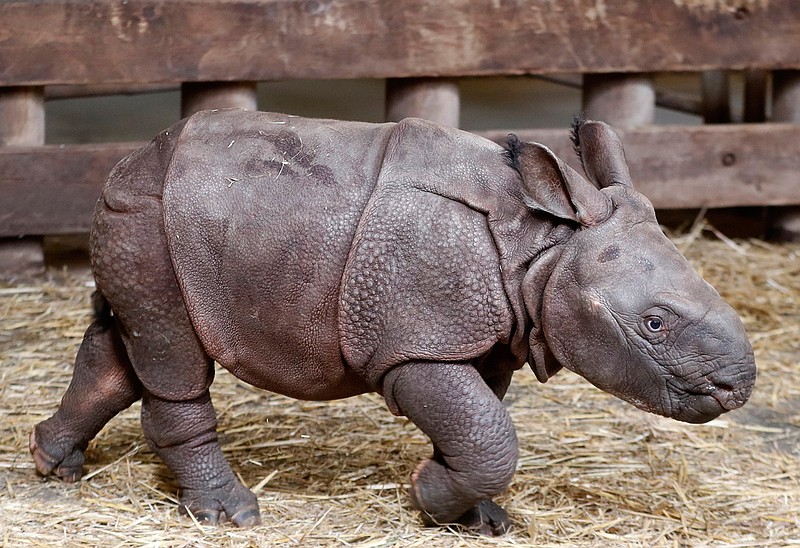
(593, 470)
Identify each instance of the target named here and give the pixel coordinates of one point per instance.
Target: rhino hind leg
(178, 418)
(475, 446)
(134, 272)
(210, 490)
(103, 384)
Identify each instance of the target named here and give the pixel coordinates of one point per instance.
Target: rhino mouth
(700, 407)
(686, 406)
(721, 391)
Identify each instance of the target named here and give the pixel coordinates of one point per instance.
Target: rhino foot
(56, 456)
(486, 518)
(233, 502)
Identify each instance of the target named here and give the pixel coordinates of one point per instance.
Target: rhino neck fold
(526, 280)
(533, 285)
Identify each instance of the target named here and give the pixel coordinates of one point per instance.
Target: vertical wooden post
(785, 222)
(21, 124)
(197, 96)
(755, 96)
(786, 96)
(716, 97)
(22, 116)
(434, 99)
(622, 100)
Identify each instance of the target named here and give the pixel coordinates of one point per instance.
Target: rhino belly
(260, 211)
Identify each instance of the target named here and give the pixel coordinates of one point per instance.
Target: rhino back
(261, 211)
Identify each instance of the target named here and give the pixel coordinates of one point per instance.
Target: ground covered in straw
(593, 470)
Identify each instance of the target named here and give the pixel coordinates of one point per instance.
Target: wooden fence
(215, 50)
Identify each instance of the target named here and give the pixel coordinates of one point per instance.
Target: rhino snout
(732, 388)
(719, 390)
(731, 384)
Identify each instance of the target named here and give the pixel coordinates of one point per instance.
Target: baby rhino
(322, 259)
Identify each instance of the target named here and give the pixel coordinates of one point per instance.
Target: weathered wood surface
(159, 41)
(52, 189)
(21, 124)
(702, 166)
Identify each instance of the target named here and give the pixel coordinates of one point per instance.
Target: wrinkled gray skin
(322, 259)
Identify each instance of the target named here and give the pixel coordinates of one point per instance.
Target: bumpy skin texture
(475, 450)
(279, 198)
(354, 251)
(322, 259)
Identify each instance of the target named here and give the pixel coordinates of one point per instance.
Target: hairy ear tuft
(575, 136)
(512, 151)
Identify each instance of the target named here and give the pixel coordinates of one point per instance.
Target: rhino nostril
(724, 387)
(725, 394)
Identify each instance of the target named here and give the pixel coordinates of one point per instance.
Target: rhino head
(622, 307)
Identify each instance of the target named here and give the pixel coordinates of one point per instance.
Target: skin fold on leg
(183, 434)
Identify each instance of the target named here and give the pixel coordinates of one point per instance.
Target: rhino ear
(552, 186)
(601, 153)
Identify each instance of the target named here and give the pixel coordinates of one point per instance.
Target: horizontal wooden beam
(52, 189)
(46, 42)
(701, 166)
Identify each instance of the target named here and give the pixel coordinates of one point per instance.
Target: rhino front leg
(475, 445)
(184, 435)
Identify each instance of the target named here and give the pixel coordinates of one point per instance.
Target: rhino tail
(102, 310)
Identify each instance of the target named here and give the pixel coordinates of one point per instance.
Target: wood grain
(702, 166)
(52, 189)
(158, 41)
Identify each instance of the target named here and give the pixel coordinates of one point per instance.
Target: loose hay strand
(593, 471)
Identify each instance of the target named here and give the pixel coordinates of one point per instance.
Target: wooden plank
(55, 93)
(157, 41)
(702, 166)
(21, 124)
(52, 189)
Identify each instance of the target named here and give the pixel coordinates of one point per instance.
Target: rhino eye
(654, 325)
